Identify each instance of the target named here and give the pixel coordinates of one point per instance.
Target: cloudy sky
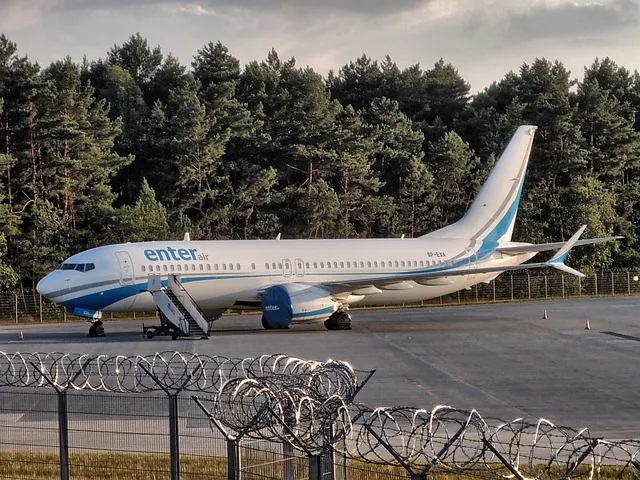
(484, 39)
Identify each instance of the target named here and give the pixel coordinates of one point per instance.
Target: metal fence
(190, 416)
(28, 306)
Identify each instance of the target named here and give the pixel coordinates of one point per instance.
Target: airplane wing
(396, 281)
(515, 248)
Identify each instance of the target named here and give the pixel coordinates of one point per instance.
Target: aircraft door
(126, 268)
(286, 267)
(299, 267)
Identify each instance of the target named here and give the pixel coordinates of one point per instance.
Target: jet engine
(284, 304)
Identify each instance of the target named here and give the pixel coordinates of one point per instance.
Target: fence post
(476, 292)
(562, 285)
(63, 416)
(16, 306)
(546, 287)
(529, 284)
(233, 459)
(494, 289)
(174, 434)
(511, 275)
(288, 467)
(628, 282)
(613, 288)
(40, 305)
(579, 286)
(596, 281)
(315, 467)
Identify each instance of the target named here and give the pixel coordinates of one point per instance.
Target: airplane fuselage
(222, 275)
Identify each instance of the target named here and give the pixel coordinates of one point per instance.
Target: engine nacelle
(284, 304)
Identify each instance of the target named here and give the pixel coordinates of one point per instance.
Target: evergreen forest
(139, 146)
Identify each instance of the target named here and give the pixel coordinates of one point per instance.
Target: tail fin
(491, 217)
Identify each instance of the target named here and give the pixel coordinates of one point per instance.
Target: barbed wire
(310, 405)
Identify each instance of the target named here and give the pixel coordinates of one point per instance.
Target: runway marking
(622, 335)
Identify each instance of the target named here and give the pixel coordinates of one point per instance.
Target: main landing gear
(339, 320)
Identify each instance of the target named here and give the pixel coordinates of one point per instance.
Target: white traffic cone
(587, 325)
(21, 336)
(544, 317)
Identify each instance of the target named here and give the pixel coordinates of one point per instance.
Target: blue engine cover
(277, 307)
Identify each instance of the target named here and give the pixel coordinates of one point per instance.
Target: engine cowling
(284, 304)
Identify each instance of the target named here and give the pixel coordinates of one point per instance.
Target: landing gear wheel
(174, 335)
(340, 320)
(265, 324)
(149, 334)
(96, 329)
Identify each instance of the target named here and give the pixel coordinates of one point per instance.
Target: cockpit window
(80, 267)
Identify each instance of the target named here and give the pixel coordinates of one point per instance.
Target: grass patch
(255, 464)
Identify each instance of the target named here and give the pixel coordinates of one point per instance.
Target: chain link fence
(27, 306)
(189, 416)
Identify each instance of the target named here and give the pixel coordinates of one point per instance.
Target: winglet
(557, 261)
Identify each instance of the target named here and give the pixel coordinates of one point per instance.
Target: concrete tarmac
(504, 360)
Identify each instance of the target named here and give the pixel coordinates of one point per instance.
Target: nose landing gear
(339, 320)
(96, 329)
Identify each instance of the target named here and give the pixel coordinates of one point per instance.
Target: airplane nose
(46, 286)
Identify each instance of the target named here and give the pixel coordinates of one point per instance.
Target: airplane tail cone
(21, 336)
(587, 325)
(545, 316)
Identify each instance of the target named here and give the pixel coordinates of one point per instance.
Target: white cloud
(483, 38)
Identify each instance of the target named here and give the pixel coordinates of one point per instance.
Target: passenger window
(402, 263)
(237, 266)
(306, 265)
(231, 266)
(273, 265)
(279, 266)
(415, 263)
(341, 264)
(216, 267)
(186, 268)
(208, 266)
(422, 263)
(201, 267)
(382, 263)
(361, 264)
(143, 268)
(315, 264)
(224, 266)
(321, 264)
(348, 264)
(171, 267)
(369, 264)
(164, 267)
(253, 266)
(375, 264)
(179, 268)
(193, 267)
(397, 263)
(266, 265)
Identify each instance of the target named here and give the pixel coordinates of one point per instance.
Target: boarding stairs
(179, 313)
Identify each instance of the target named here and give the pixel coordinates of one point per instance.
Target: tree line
(138, 146)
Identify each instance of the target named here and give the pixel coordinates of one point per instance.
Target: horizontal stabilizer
(514, 248)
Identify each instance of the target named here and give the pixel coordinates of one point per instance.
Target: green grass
(120, 466)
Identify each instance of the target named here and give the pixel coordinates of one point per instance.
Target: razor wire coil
(310, 405)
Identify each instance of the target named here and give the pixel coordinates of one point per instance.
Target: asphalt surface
(504, 360)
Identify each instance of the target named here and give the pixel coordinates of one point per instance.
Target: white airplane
(295, 281)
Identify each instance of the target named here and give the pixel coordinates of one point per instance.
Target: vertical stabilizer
(491, 217)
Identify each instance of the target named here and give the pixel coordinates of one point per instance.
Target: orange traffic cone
(587, 325)
(544, 317)
(21, 336)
